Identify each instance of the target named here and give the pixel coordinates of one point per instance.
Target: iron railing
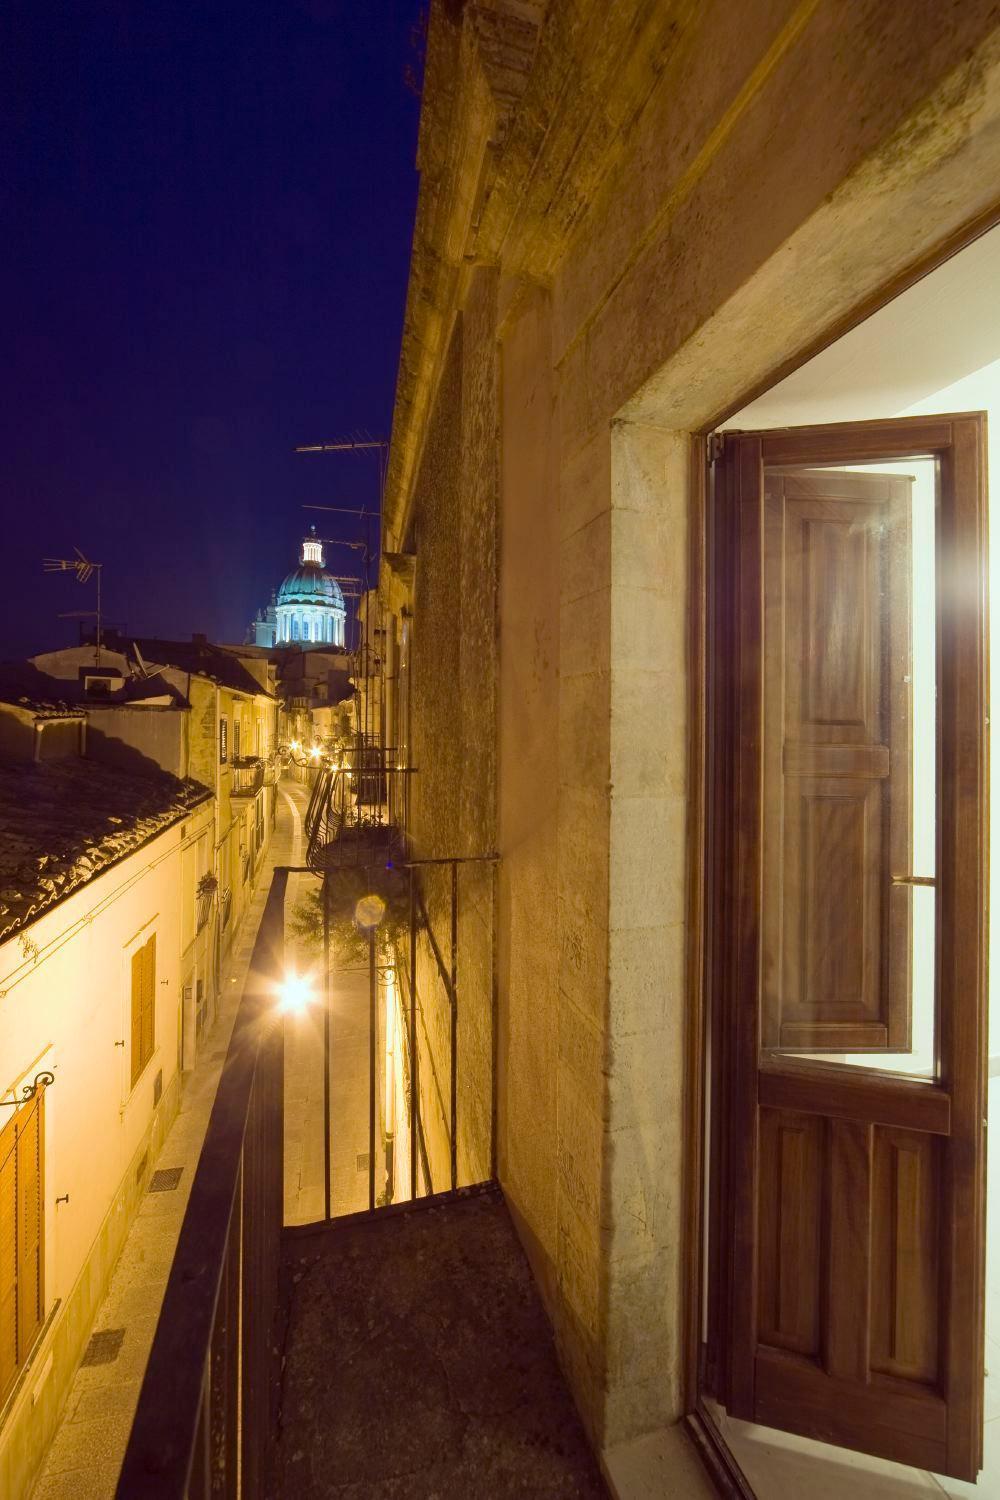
(357, 809)
(208, 1400)
(248, 776)
(388, 962)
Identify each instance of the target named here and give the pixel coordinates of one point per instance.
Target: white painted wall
(64, 1004)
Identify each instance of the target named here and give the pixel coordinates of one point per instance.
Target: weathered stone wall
(453, 697)
(676, 207)
(529, 744)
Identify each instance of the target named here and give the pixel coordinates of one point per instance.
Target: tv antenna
(84, 570)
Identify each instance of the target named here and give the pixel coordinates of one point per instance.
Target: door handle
(914, 880)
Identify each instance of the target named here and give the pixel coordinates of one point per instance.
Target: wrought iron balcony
(248, 776)
(357, 810)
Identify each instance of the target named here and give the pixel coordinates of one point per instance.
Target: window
(237, 735)
(295, 627)
(21, 1231)
(143, 1006)
(223, 740)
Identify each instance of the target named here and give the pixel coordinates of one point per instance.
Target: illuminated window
(223, 740)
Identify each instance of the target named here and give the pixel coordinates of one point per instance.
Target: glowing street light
(295, 994)
(369, 912)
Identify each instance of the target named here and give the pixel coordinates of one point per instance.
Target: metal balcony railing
(357, 810)
(248, 776)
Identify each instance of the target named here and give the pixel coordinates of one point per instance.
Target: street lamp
(295, 993)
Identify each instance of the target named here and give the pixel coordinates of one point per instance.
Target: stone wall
(453, 695)
(666, 212)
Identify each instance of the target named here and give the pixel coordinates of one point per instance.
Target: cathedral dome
(310, 583)
(309, 605)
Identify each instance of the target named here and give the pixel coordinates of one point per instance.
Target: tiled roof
(66, 821)
(24, 687)
(214, 662)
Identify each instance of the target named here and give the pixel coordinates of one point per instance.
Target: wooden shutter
(8, 1257)
(21, 1239)
(836, 938)
(136, 1013)
(149, 1000)
(29, 1228)
(143, 1006)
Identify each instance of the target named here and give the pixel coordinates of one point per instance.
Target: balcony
(357, 809)
(399, 1349)
(248, 776)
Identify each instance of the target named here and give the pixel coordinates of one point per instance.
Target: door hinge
(714, 444)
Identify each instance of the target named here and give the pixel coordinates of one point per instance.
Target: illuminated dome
(309, 605)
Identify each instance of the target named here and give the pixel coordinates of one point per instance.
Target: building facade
(622, 238)
(205, 712)
(99, 871)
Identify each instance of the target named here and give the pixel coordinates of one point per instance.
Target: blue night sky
(207, 214)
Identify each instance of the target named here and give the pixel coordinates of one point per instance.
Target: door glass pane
(850, 764)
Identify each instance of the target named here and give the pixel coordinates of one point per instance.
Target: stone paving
(86, 1454)
(419, 1364)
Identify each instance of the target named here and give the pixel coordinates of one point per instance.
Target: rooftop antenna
(84, 569)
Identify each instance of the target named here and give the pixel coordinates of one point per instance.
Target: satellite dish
(143, 669)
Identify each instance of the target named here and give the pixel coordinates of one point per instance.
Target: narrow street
(86, 1454)
(304, 1165)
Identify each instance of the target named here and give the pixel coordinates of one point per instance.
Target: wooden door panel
(909, 1426)
(905, 1256)
(791, 1221)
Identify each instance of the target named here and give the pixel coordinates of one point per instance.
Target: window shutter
(149, 1000)
(8, 1257)
(29, 1237)
(136, 1052)
(21, 1206)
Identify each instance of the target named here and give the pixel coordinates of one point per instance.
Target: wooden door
(850, 1303)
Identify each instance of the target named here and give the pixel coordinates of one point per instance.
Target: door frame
(702, 1176)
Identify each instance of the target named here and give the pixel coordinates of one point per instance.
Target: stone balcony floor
(419, 1363)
